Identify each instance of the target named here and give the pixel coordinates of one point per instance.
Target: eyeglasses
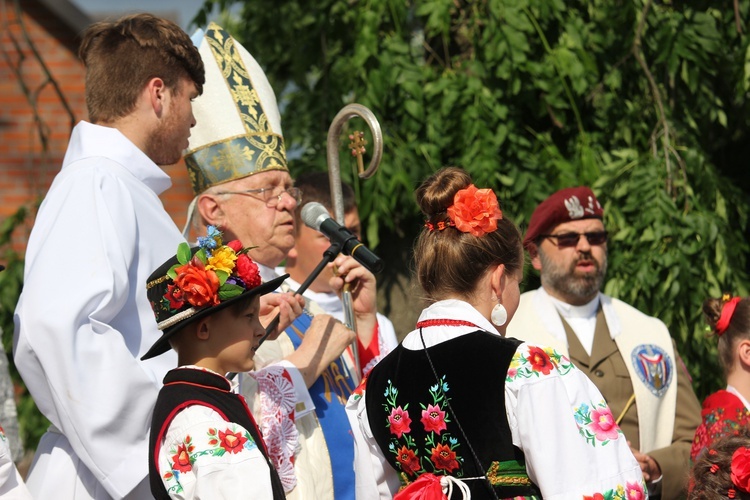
(567, 240)
(270, 196)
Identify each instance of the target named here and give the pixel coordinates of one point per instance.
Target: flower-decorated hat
(563, 206)
(199, 281)
(238, 127)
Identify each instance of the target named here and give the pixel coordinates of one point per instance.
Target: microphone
(316, 216)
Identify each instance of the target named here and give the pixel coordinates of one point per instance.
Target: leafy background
(645, 101)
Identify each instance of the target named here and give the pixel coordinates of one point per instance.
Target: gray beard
(568, 283)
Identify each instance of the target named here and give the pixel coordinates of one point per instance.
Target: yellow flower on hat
(222, 260)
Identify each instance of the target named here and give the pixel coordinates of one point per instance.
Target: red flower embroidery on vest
(408, 460)
(444, 458)
(400, 421)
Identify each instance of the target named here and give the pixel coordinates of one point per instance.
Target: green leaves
(531, 96)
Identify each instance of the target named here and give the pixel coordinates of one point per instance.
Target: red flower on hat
(741, 469)
(175, 297)
(475, 211)
(248, 271)
(235, 245)
(199, 286)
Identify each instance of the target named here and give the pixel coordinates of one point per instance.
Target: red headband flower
(475, 211)
(741, 469)
(727, 311)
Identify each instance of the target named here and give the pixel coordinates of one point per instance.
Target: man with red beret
(628, 355)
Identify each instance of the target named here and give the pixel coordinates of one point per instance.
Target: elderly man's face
(573, 274)
(251, 220)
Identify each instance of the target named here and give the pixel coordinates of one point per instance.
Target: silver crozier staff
(334, 177)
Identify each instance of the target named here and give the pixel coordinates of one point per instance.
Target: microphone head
(313, 214)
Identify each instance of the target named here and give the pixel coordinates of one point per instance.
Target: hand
(324, 341)
(363, 286)
(287, 305)
(649, 466)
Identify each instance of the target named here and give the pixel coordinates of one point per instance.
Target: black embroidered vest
(185, 387)
(416, 430)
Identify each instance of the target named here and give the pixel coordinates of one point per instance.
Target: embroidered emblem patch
(654, 367)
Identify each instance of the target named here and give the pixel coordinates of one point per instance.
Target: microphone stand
(330, 254)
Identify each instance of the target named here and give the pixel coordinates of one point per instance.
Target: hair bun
(436, 193)
(712, 311)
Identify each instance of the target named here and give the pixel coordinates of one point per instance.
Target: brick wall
(26, 169)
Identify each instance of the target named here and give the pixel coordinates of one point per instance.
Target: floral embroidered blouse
(205, 456)
(556, 416)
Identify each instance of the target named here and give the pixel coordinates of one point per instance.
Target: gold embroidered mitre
(238, 127)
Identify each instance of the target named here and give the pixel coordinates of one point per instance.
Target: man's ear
(157, 93)
(210, 209)
(534, 256)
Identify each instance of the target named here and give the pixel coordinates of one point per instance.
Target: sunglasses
(567, 240)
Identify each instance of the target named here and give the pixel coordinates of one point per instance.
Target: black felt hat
(199, 281)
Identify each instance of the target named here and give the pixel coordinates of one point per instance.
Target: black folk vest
(185, 387)
(417, 431)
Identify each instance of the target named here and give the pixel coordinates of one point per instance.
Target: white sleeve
(559, 419)
(12, 486)
(375, 479)
(80, 368)
(204, 456)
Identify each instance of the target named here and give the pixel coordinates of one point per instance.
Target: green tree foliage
(647, 102)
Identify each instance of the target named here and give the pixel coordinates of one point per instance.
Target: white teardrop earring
(499, 315)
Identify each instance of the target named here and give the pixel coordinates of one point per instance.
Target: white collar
(737, 393)
(549, 317)
(566, 310)
(450, 309)
(89, 140)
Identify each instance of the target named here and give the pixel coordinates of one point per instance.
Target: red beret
(565, 205)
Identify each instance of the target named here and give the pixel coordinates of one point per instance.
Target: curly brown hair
(711, 476)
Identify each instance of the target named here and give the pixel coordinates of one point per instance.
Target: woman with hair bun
(727, 410)
(458, 410)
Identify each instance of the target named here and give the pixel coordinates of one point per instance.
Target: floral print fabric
(204, 456)
(555, 413)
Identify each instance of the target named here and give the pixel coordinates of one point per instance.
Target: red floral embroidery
(174, 296)
(213, 441)
(595, 496)
(400, 422)
(408, 460)
(181, 459)
(433, 419)
(444, 458)
(232, 441)
(539, 360)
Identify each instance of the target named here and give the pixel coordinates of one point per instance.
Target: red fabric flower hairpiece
(475, 211)
(741, 469)
(727, 311)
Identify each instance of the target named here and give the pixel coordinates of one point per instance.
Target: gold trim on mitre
(260, 149)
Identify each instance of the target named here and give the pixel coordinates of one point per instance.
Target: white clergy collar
(550, 318)
(585, 311)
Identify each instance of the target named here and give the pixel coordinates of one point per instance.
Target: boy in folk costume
(204, 440)
(237, 165)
